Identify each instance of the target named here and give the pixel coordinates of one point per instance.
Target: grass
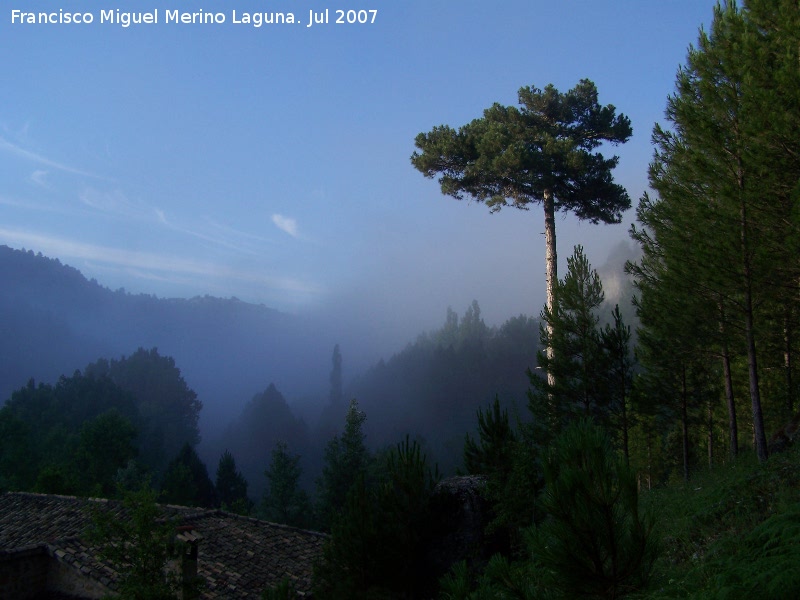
(733, 532)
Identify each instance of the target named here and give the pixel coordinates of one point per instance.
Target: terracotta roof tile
(238, 556)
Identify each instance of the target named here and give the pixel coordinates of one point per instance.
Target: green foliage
(336, 396)
(186, 481)
(619, 362)
(720, 241)
(403, 505)
(347, 568)
(57, 479)
(346, 460)
(516, 155)
(376, 548)
(591, 538)
(105, 445)
(766, 560)
(594, 541)
(284, 501)
(142, 545)
(434, 386)
(579, 364)
(265, 420)
(169, 410)
(73, 437)
(231, 486)
(19, 463)
(732, 532)
(90, 459)
(70, 438)
(491, 453)
(283, 591)
(510, 465)
(457, 584)
(131, 477)
(502, 579)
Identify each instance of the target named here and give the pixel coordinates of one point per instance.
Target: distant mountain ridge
(53, 320)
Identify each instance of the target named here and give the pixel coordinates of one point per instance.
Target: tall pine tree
(542, 152)
(725, 215)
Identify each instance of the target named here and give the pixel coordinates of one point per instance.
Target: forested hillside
(433, 388)
(94, 430)
(56, 321)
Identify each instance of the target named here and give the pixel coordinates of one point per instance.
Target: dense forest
(618, 455)
(56, 321)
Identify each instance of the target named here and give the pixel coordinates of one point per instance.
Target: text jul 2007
(199, 17)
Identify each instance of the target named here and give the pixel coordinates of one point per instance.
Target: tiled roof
(238, 556)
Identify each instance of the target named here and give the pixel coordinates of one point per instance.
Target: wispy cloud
(162, 217)
(218, 236)
(227, 230)
(286, 224)
(115, 203)
(16, 150)
(39, 178)
(152, 263)
(31, 204)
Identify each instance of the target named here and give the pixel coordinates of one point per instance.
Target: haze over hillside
(235, 355)
(55, 321)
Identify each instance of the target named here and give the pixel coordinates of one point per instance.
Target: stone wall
(31, 572)
(69, 580)
(23, 574)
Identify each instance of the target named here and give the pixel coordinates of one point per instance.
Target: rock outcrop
(460, 513)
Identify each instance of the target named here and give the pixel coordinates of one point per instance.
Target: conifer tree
(578, 362)
(672, 341)
(186, 481)
(491, 453)
(616, 341)
(596, 541)
(106, 444)
(774, 53)
(542, 152)
(377, 543)
(346, 459)
(232, 486)
(336, 395)
(284, 501)
(723, 174)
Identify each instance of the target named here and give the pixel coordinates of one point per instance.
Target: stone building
(44, 551)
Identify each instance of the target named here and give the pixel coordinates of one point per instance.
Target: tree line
(716, 298)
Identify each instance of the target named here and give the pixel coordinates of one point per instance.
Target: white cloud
(27, 154)
(286, 224)
(39, 178)
(115, 203)
(153, 263)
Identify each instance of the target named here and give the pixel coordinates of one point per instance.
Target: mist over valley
(263, 375)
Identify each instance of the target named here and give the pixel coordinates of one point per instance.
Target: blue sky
(272, 164)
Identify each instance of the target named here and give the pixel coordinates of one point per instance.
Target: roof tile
(238, 556)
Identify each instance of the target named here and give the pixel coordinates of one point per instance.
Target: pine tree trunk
(787, 361)
(710, 436)
(625, 450)
(551, 270)
(685, 424)
(733, 429)
(760, 437)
